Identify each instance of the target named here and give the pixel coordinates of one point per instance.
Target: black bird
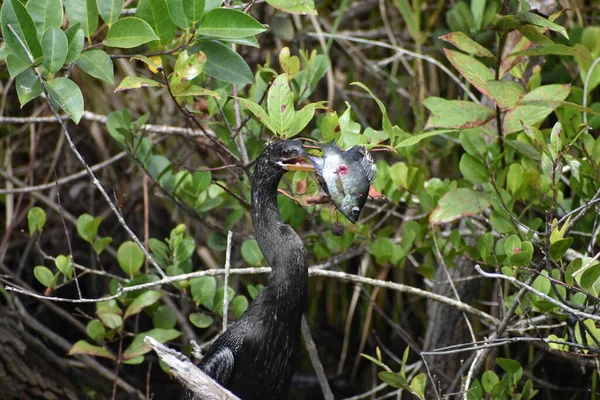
(255, 357)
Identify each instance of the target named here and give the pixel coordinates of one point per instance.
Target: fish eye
(355, 211)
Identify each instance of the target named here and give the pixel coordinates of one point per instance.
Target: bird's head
(288, 155)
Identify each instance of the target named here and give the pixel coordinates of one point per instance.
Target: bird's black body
(255, 357)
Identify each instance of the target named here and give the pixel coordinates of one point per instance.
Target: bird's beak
(299, 162)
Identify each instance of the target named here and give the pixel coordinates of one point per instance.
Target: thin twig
(226, 280)
(313, 354)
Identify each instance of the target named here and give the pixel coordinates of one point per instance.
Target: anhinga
(255, 357)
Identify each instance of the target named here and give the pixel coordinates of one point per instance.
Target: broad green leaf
(199, 91)
(45, 276)
(130, 258)
(259, 113)
(146, 299)
(109, 10)
(136, 82)
(138, 347)
(555, 92)
(506, 94)
(458, 203)
(280, 105)
(19, 31)
(473, 169)
(203, 290)
(239, 305)
(156, 14)
(385, 121)
(529, 114)
(559, 248)
(489, 379)
(175, 8)
(45, 14)
(393, 379)
(538, 20)
(223, 63)
(301, 119)
(65, 94)
(252, 253)
(36, 219)
(417, 384)
(514, 178)
(193, 10)
(64, 265)
(97, 64)
(456, 113)
(84, 13)
(200, 320)
(414, 139)
(472, 141)
(83, 347)
(101, 243)
(95, 329)
(466, 44)
(55, 47)
(302, 7)
(472, 70)
(129, 32)
(16, 65)
(229, 24)
(28, 86)
(164, 317)
(76, 37)
(109, 313)
(188, 68)
(87, 227)
(508, 365)
(550, 48)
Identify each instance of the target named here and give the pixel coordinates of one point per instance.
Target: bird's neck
(280, 244)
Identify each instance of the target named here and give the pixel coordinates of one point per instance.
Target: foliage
(495, 162)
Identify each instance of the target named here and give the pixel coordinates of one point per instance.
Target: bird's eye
(287, 153)
(355, 211)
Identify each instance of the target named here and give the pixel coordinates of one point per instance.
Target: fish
(345, 176)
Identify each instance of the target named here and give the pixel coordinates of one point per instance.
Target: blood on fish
(342, 170)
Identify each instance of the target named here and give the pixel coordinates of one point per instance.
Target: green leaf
(301, 120)
(514, 178)
(28, 86)
(472, 141)
(84, 13)
(559, 248)
(175, 8)
(97, 64)
(229, 24)
(95, 329)
(130, 257)
(506, 94)
(76, 37)
(109, 313)
(512, 245)
(156, 14)
(414, 139)
(16, 65)
(537, 20)
(22, 40)
(109, 10)
(45, 276)
(417, 384)
(489, 379)
(201, 320)
(65, 265)
(65, 94)
(55, 47)
(83, 347)
(466, 44)
(101, 243)
(164, 317)
(393, 379)
(203, 290)
(473, 169)
(472, 70)
(239, 305)
(382, 248)
(280, 105)
(555, 92)
(456, 113)
(136, 82)
(302, 7)
(146, 299)
(193, 10)
(129, 32)
(223, 63)
(509, 366)
(259, 113)
(45, 14)
(458, 203)
(36, 219)
(251, 253)
(138, 347)
(187, 68)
